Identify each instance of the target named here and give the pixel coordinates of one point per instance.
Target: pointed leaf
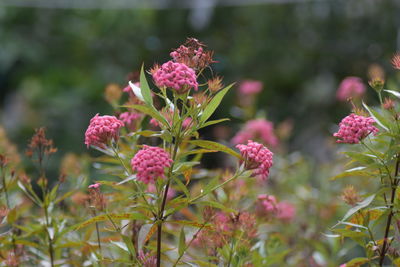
(379, 119)
(182, 242)
(215, 146)
(144, 87)
(214, 103)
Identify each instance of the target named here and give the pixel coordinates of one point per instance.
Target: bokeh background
(56, 57)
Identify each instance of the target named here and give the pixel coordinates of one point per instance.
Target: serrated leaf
(144, 87)
(215, 146)
(214, 103)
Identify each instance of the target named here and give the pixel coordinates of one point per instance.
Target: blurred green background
(56, 57)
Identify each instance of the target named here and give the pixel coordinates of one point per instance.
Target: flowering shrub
(152, 201)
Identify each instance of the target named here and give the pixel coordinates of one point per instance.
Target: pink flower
(286, 211)
(94, 186)
(177, 76)
(102, 129)
(186, 122)
(257, 157)
(130, 119)
(350, 87)
(147, 259)
(266, 206)
(258, 129)
(150, 163)
(250, 87)
(354, 128)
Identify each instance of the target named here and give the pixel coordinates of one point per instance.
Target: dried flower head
(354, 128)
(177, 76)
(256, 157)
(193, 54)
(396, 61)
(215, 84)
(350, 195)
(102, 129)
(388, 103)
(40, 144)
(150, 163)
(96, 198)
(377, 84)
(112, 93)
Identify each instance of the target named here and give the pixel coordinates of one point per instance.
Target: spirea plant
(372, 135)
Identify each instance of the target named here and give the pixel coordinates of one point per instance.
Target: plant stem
(51, 249)
(389, 221)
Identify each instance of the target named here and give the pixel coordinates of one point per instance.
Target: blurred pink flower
(250, 87)
(147, 259)
(130, 119)
(259, 129)
(177, 76)
(354, 128)
(94, 186)
(350, 87)
(286, 211)
(149, 163)
(266, 206)
(257, 157)
(102, 129)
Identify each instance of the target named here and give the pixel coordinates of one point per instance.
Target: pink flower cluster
(257, 157)
(354, 128)
(396, 61)
(130, 119)
(350, 87)
(250, 87)
(268, 207)
(150, 163)
(102, 129)
(177, 76)
(258, 129)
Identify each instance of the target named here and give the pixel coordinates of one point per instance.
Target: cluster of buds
(112, 93)
(102, 129)
(256, 157)
(193, 54)
(130, 119)
(377, 84)
(40, 144)
(150, 163)
(350, 87)
(174, 75)
(96, 198)
(354, 128)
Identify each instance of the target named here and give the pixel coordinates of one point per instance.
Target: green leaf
(151, 111)
(215, 146)
(144, 87)
(395, 93)
(214, 103)
(128, 242)
(181, 186)
(104, 217)
(356, 262)
(208, 123)
(358, 171)
(361, 157)
(359, 206)
(12, 216)
(380, 120)
(215, 204)
(182, 242)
